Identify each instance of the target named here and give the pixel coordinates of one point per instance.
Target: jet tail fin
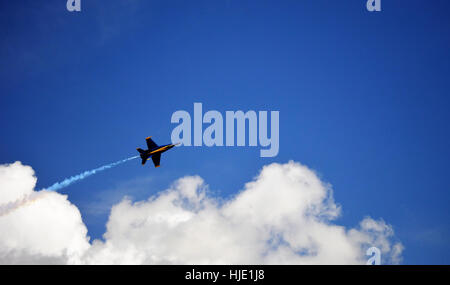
(143, 156)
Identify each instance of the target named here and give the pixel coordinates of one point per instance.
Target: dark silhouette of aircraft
(154, 151)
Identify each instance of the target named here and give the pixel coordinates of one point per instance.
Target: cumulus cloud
(37, 227)
(284, 216)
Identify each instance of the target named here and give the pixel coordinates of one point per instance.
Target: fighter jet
(154, 151)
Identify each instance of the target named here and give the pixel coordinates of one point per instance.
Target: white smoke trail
(68, 181)
(29, 199)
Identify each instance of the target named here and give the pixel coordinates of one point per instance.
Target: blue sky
(363, 100)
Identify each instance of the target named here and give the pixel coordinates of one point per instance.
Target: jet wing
(156, 158)
(150, 143)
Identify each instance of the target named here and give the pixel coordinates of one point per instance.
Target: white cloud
(40, 226)
(284, 216)
(17, 177)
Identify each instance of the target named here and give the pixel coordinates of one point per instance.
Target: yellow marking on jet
(156, 150)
